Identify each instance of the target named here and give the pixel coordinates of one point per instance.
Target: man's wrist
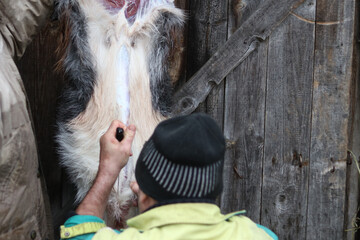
(106, 177)
(95, 201)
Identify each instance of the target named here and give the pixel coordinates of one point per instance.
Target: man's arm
(114, 156)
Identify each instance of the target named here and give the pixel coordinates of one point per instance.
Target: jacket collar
(181, 213)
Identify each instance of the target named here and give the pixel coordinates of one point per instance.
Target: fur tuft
(78, 66)
(160, 81)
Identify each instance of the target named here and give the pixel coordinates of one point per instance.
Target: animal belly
(122, 83)
(117, 65)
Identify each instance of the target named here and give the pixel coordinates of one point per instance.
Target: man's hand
(144, 201)
(114, 155)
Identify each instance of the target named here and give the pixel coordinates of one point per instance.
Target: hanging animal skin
(117, 62)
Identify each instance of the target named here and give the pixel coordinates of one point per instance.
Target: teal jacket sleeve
(81, 227)
(268, 231)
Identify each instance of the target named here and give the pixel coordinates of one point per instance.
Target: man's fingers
(130, 133)
(114, 125)
(134, 187)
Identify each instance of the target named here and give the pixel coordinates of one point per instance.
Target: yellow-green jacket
(170, 222)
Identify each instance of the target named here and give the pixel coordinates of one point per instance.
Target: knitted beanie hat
(183, 159)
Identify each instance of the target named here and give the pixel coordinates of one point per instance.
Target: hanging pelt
(117, 62)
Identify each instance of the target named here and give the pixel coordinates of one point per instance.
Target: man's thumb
(130, 132)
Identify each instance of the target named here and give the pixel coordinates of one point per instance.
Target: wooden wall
(289, 113)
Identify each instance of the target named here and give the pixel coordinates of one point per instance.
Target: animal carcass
(117, 62)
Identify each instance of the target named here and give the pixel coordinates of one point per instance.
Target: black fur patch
(160, 82)
(78, 65)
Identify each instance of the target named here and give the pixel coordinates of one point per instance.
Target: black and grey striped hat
(183, 159)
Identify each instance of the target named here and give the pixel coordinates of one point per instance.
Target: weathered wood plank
(207, 31)
(216, 37)
(240, 11)
(288, 125)
(353, 175)
(244, 132)
(239, 46)
(244, 123)
(330, 119)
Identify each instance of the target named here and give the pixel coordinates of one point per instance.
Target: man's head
(183, 160)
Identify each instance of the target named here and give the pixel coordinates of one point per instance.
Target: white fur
(122, 83)
(122, 92)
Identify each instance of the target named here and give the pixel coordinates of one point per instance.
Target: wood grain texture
(240, 11)
(244, 133)
(353, 175)
(238, 47)
(208, 31)
(244, 123)
(288, 125)
(330, 119)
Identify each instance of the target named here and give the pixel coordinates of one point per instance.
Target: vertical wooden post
(330, 118)
(207, 32)
(244, 123)
(287, 124)
(353, 175)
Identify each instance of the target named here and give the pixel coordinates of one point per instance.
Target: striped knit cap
(183, 159)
